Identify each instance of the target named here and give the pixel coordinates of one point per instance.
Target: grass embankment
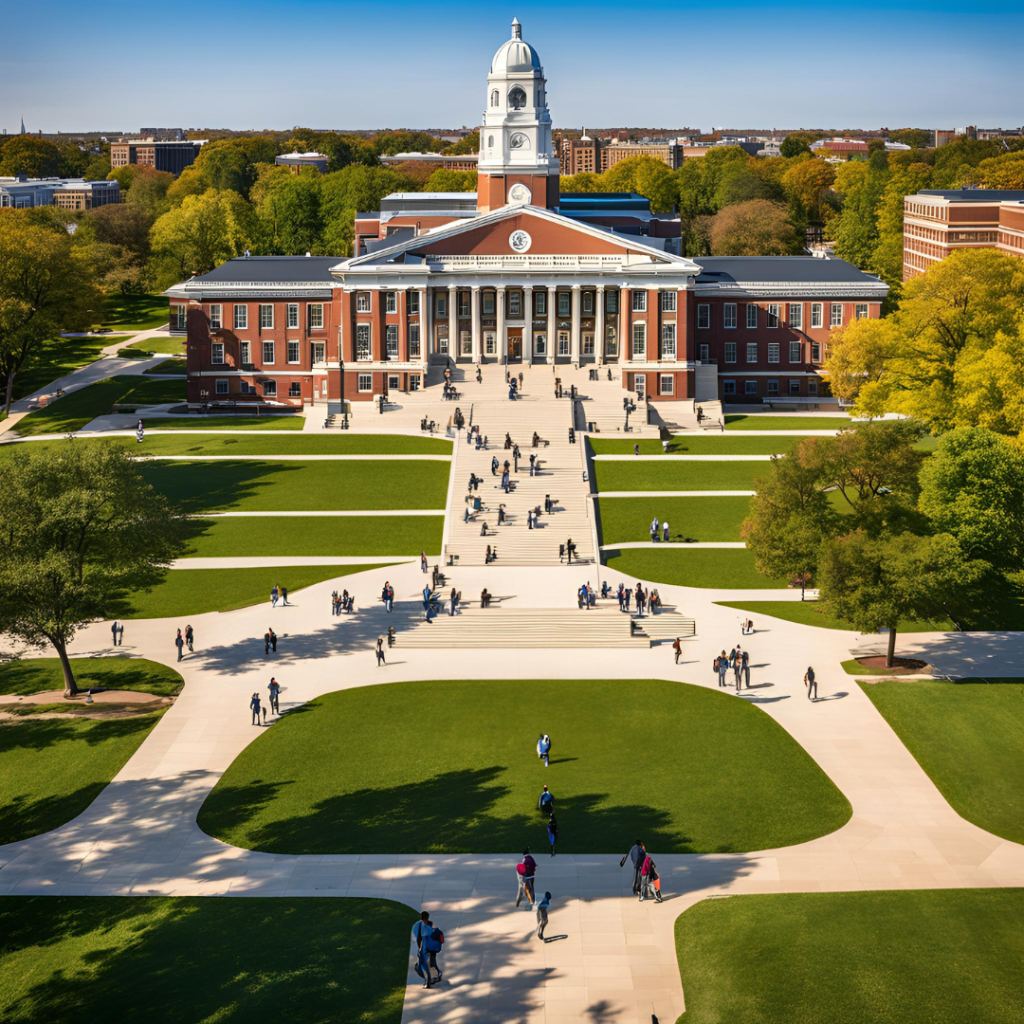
(266, 421)
(731, 568)
(697, 444)
(36, 675)
(165, 344)
(705, 773)
(134, 312)
(57, 358)
(679, 475)
(810, 613)
(766, 421)
(168, 366)
(694, 519)
(950, 956)
(186, 959)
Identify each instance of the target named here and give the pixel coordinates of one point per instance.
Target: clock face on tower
(519, 193)
(520, 241)
(519, 141)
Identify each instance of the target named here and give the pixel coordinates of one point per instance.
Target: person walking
(527, 871)
(529, 518)
(737, 668)
(114, 633)
(426, 602)
(745, 660)
(274, 690)
(420, 930)
(721, 667)
(678, 648)
(179, 643)
(273, 596)
(542, 915)
(254, 705)
(650, 880)
(811, 683)
(266, 642)
(544, 749)
(654, 530)
(533, 464)
(380, 652)
(432, 943)
(636, 856)
(190, 639)
(546, 802)
(423, 561)
(569, 550)
(273, 640)
(664, 532)
(284, 595)
(384, 596)
(494, 465)
(552, 833)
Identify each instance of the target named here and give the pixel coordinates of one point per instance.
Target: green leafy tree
(860, 184)
(226, 166)
(467, 145)
(917, 138)
(756, 228)
(808, 187)
(29, 155)
(887, 259)
(73, 160)
(390, 143)
(451, 181)
(46, 286)
(1006, 171)
(645, 176)
(794, 144)
(79, 525)
(585, 181)
(358, 187)
(149, 191)
(290, 214)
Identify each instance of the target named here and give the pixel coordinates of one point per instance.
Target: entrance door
(588, 345)
(515, 348)
(641, 385)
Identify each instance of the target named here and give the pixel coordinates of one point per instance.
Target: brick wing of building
(517, 273)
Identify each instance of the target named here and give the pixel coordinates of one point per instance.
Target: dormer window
(517, 98)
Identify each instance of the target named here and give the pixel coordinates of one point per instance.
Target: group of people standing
(278, 593)
(258, 708)
(343, 602)
(739, 661)
(659, 532)
(646, 879)
(643, 597)
(181, 641)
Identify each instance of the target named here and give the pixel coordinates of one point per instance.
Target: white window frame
(729, 355)
(293, 316)
(668, 340)
(752, 314)
(540, 303)
(245, 353)
(240, 317)
(817, 315)
(563, 343)
(752, 352)
(773, 352)
(670, 379)
(465, 300)
(364, 303)
(266, 316)
(295, 389)
(515, 304)
(587, 343)
(441, 299)
(364, 382)
(319, 352)
(293, 351)
(729, 321)
(267, 346)
(270, 388)
(728, 387)
(638, 300)
(611, 301)
(564, 303)
(414, 341)
(391, 302)
(217, 353)
(703, 316)
(639, 341)
(835, 314)
(540, 343)
(588, 303)
(750, 387)
(668, 302)
(315, 315)
(222, 386)
(412, 302)
(391, 341)
(796, 316)
(364, 343)
(490, 343)
(704, 353)
(215, 317)
(488, 303)
(796, 354)
(774, 312)
(860, 311)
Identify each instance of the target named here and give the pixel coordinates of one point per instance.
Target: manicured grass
(134, 312)
(704, 444)
(268, 421)
(57, 358)
(810, 613)
(852, 667)
(169, 366)
(186, 592)
(185, 959)
(253, 485)
(969, 737)
(315, 535)
(171, 345)
(52, 769)
(758, 421)
(950, 956)
(693, 567)
(700, 519)
(678, 475)
(35, 675)
(704, 772)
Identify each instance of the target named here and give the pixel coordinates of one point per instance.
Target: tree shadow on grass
(214, 486)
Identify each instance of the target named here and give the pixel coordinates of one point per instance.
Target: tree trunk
(70, 686)
(7, 396)
(892, 647)
(803, 589)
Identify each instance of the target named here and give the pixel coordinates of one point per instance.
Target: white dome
(515, 55)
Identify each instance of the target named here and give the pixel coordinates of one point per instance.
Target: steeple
(23, 125)
(517, 29)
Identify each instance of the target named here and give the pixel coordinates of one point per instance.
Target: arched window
(490, 142)
(494, 97)
(517, 98)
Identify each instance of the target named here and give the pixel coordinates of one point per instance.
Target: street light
(630, 406)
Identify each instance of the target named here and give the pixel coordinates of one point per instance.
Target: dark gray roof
(779, 269)
(273, 269)
(976, 195)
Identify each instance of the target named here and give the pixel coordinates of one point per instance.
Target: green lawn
(134, 312)
(315, 535)
(186, 959)
(686, 768)
(166, 344)
(700, 519)
(969, 737)
(169, 366)
(852, 667)
(268, 421)
(765, 421)
(810, 613)
(51, 769)
(57, 358)
(253, 485)
(703, 444)
(35, 675)
(185, 592)
(950, 956)
(679, 475)
(693, 567)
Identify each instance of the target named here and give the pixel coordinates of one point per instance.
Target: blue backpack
(434, 941)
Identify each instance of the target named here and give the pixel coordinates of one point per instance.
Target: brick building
(434, 161)
(172, 156)
(587, 155)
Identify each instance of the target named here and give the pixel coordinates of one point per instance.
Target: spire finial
(517, 29)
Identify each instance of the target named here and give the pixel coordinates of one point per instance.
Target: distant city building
(943, 136)
(841, 149)
(435, 161)
(296, 161)
(937, 223)
(172, 156)
(23, 193)
(587, 155)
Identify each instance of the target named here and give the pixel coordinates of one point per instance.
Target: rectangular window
(293, 351)
(816, 315)
(540, 303)
(861, 310)
(362, 302)
(751, 314)
(182, 317)
(795, 354)
(729, 315)
(490, 343)
(363, 342)
(773, 352)
(639, 301)
(412, 303)
(488, 303)
(794, 385)
(666, 383)
(241, 318)
(639, 339)
(245, 353)
(319, 352)
(266, 316)
(364, 382)
(414, 341)
(391, 341)
(540, 344)
(268, 353)
(293, 316)
(750, 387)
(222, 387)
(815, 351)
(442, 305)
(796, 316)
(703, 353)
(270, 388)
(751, 351)
(247, 388)
(217, 353)
(295, 389)
(215, 322)
(812, 387)
(773, 388)
(442, 339)
(316, 316)
(728, 387)
(587, 342)
(564, 303)
(465, 343)
(563, 343)
(703, 315)
(588, 303)
(390, 302)
(773, 314)
(730, 351)
(668, 303)
(668, 340)
(515, 305)
(611, 302)
(835, 318)
(464, 303)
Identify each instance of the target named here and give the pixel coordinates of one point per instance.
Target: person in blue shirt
(420, 930)
(552, 833)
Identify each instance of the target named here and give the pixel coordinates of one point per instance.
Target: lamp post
(630, 406)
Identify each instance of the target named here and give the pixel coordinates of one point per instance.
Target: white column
(499, 308)
(474, 307)
(552, 321)
(574, 339)
(528, 321)
(453, 322)
(426, 326)
(599, 325)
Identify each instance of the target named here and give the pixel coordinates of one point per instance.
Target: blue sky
(331, 64)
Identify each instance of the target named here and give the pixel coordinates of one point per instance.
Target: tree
(585, 181)
(466, 145)
(73, 160)
(887, 259)
(860, 184)
(290, 213)
(916, 138)
(149, 191)
(808, 187)
(79, 526)
(757, 228)
(225, 166)
(1006, 171)
(873, 582)
(451, 181)
(646, 176)
(31, 156)
(794, 144)
(972, 487)
(45, 287)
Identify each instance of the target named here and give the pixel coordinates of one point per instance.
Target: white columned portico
(454, 343)
(474, 306)
(599, 325)
(574, 338)
(527, 354)
(499, 309)
(552, 322)
(426, 332)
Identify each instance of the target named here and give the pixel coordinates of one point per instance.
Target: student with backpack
(542, 915)
(526, 871)
(546, 802)
(650, 880)
(432, 943)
